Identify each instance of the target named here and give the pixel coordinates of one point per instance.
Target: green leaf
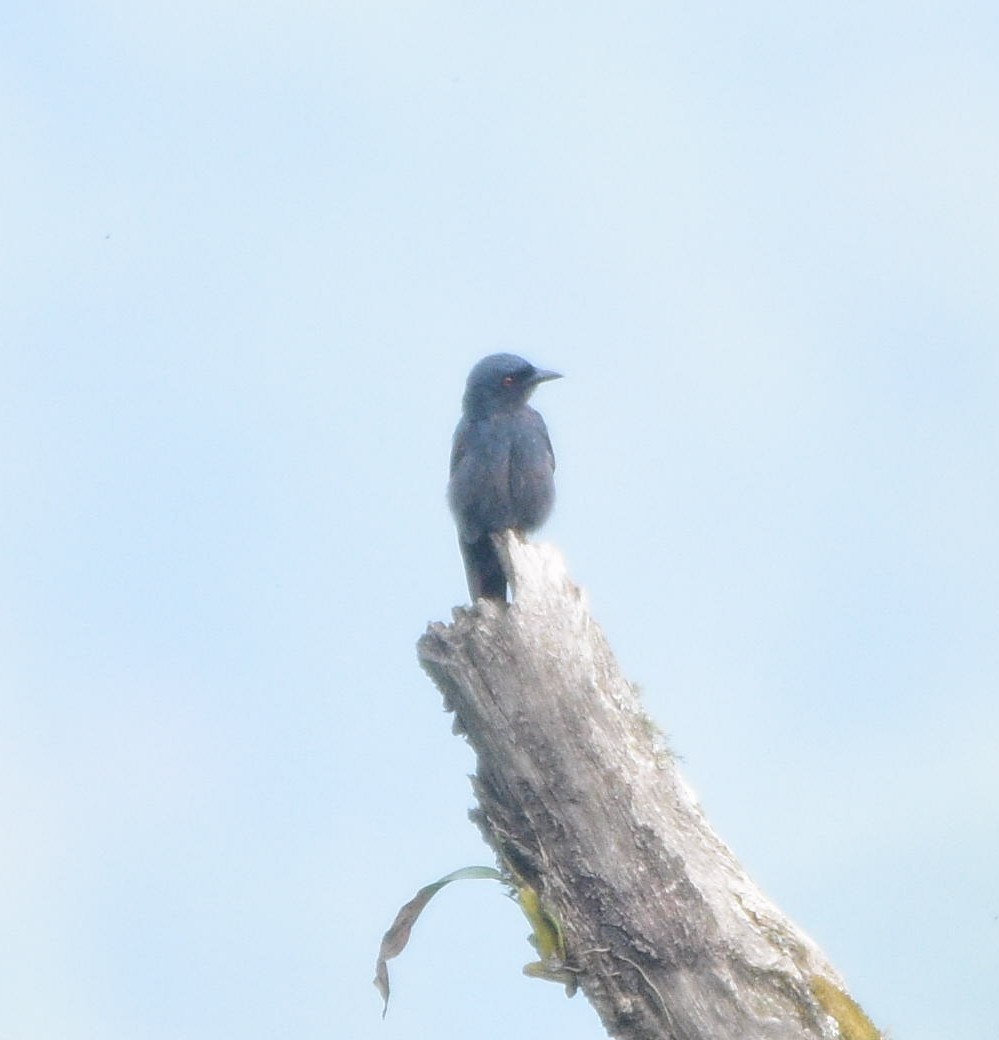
(395, 939)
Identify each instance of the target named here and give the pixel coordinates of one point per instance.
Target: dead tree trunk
(578, 796)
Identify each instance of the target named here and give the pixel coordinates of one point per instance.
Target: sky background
(250, 253)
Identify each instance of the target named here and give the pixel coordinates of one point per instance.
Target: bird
(502, 466)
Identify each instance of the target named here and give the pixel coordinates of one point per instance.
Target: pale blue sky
(251, 251)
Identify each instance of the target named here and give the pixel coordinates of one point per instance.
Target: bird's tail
(483, 569)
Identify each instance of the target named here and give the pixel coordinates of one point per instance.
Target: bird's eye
(509, 380)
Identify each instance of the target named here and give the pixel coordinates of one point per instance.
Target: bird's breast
(501, 474)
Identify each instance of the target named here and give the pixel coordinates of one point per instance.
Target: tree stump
(582, 802)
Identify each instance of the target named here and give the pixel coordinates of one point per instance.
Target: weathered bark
(666, 934)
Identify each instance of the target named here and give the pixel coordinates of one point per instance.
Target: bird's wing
(538, 424)
(458, 445)
(548, 442)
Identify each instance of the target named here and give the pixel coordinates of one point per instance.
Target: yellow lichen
(849, 1015)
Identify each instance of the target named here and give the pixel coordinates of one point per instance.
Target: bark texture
(664, 931)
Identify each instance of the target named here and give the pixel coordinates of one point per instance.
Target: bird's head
(501, 383)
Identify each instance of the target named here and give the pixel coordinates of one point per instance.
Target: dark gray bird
(501, 465)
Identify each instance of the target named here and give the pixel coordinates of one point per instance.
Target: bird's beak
(542, 375)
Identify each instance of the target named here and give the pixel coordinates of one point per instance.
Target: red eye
(509, 380)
